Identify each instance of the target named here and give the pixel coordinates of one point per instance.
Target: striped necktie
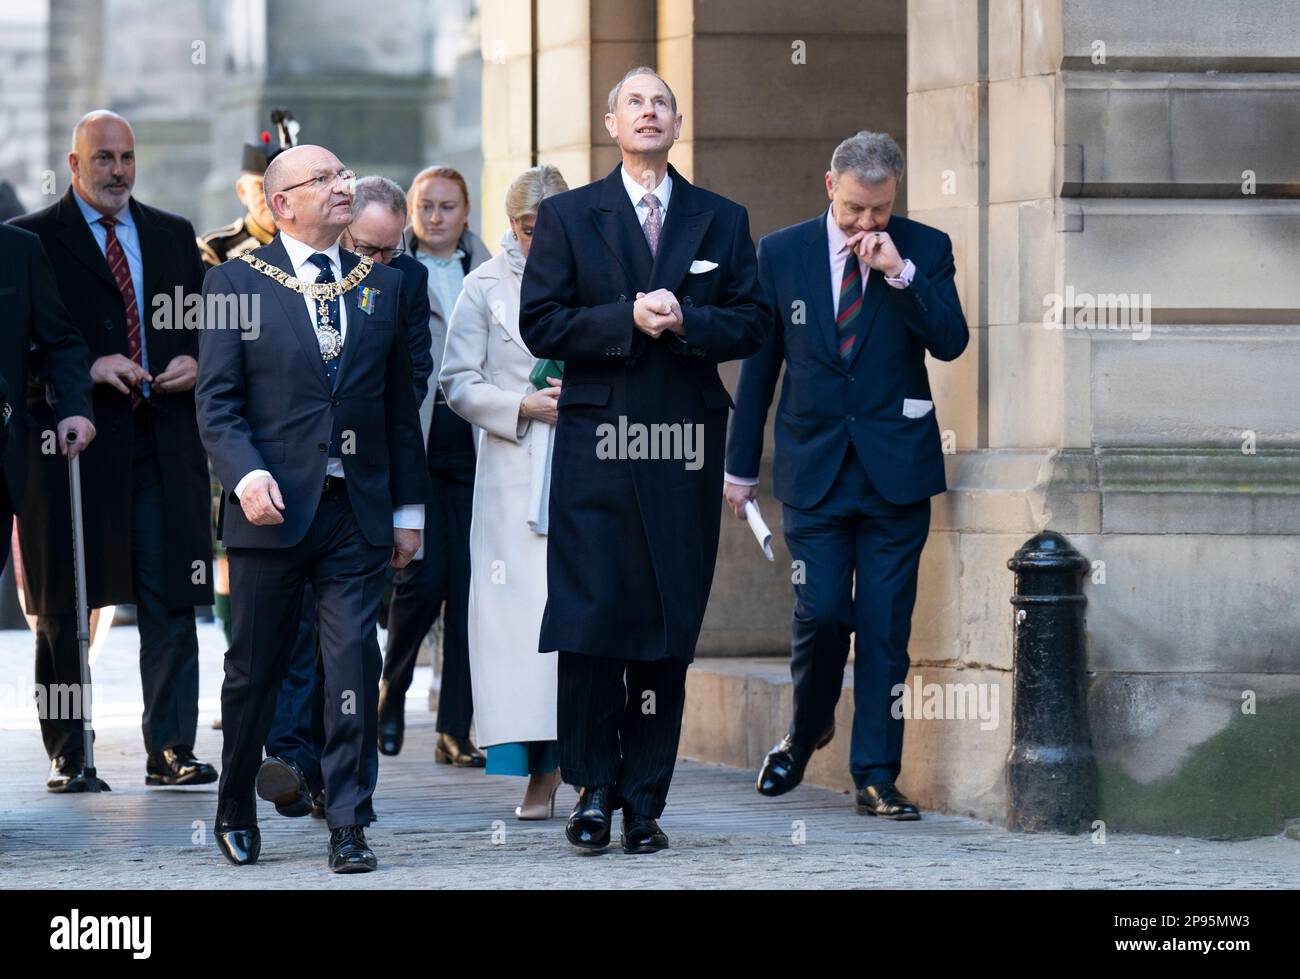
(850, 307)
(120, 270)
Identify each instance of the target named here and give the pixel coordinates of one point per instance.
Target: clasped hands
(657, 312)
(123, 373)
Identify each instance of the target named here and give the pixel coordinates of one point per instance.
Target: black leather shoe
(239, 845)
(884, 800)
(281, 782)
(349, 852)
(783, 768)
(65, 774)
(178, 766)
(392, 723)
(460, 752)
(318, 805)
(390, 737)
(641, 834)
(588, 825)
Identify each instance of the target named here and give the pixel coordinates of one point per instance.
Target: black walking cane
(91, 781)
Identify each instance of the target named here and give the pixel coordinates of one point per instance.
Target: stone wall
(1103, 148)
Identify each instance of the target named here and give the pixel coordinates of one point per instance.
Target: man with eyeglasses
(307, 409)
(297, 737)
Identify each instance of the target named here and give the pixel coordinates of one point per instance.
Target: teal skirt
(522, 758)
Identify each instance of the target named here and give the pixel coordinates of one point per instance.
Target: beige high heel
(541, 810)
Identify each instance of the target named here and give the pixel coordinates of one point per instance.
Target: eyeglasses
(384, 255)
(324, 180)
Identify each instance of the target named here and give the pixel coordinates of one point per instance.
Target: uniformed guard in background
(256, 227)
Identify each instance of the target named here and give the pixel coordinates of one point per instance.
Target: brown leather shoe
(460, 752)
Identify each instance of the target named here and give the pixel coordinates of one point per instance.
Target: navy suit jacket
(265, 403)
(415, 319)
(827, 405)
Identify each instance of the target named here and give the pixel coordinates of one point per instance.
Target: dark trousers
(169, 645)
(439, 583)
(347, 576)
(854, 534)
(298, 727)
(618, 723)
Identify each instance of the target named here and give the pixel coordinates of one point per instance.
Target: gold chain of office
(327, 335)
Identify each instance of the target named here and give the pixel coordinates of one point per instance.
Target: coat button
(334, 402)
(622, 298)
(322, 446)
(850, 418)
(689, 301)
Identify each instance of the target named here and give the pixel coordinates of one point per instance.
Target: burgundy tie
(121, 272)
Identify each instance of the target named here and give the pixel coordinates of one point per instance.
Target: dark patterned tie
(119, 268)
(327, 275)
(850, 307)
(331, 365)
(653, 226)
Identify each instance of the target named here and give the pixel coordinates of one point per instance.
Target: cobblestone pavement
(440, 827)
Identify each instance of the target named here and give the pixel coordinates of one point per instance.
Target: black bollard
(1051, 771)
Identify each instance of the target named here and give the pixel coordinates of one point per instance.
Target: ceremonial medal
(327, 334)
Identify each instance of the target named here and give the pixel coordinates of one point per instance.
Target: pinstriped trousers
(618, 723)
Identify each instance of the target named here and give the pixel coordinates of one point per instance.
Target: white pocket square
(916, 407)
(702, 265)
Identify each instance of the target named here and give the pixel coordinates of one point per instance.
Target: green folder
(544, 369)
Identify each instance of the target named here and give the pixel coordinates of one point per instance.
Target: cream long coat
(484, 374)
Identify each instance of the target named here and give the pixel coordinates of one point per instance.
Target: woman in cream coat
(485, 375)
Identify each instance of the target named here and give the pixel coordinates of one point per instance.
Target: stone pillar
(548, 67)
(768, 89)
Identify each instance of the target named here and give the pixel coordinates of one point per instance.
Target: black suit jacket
(95, 307)
(415, 319)
(827, 405)
(36, 340)
(265, 402)
(633, 541)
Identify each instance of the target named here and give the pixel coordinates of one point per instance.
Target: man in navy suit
(641, 283)
(307, 409)
(297, 734)
(859, 297)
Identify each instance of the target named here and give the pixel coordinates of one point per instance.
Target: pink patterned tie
(653, 223)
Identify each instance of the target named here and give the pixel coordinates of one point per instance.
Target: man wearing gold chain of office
(307, 409)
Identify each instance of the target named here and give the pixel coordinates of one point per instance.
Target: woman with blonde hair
(488, 375)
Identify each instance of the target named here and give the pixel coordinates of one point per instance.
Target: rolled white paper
(761, 533)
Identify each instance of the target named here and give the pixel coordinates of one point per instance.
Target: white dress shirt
(838, 243)
(636, 192)
(410, 517)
